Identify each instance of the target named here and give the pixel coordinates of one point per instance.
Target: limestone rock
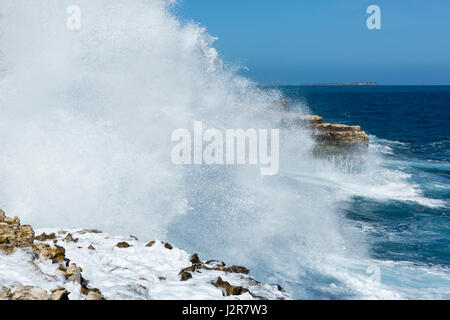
(185, 275)
(13, 235)
(123, 245)
(330, 138)
(44, 237)
(95, 295)
(150, 244)
(30, 293)
(228, 289)
(167, 245)
(70, 238)
(5, 293)
(52, 252)
(60, 294)
(197, 264)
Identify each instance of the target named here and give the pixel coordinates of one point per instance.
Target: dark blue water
(409, 128)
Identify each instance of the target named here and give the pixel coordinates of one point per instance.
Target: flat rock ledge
(114, 267)
(331, 138)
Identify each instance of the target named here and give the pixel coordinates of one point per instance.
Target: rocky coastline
(87, 264)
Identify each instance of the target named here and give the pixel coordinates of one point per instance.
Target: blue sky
(321, 41)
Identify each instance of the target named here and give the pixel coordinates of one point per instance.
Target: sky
(323, 41)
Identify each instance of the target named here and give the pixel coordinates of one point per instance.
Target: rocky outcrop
(219, 267)
(15, 236)
(30, 293)
(330, 138)
(335, 138)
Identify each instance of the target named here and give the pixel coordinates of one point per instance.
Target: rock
(59, 294)
(91, 247)
(5, 293)
(52, 252)
(70, 238)
(73, 273)
(238, 269)
(195, 259)
(13, 234)
(123, 245)
(95, 294)
(30, 293)
(197, 264)
(150, 244)
(45, 237)
(167, 245)
(185, 275)
(330, 138)
(228, 289)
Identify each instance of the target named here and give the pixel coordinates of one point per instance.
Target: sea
(409, 130)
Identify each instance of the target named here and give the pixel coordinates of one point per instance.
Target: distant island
(360, 83)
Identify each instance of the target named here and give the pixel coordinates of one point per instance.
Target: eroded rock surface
(88, 265)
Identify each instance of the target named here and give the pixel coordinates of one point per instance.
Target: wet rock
(30, 293)
(197, 264)
(150, 244)
(195, 259)
(95, 295)
(123, 245)
(13, 235)
(167, 245)
(44, 237)
(5, 293)
(59, 294)
(185, 275)
(330, 138)
(91, 247)
(73, 273)
(52, 252)
(238, 269)
(228, 289)
(70, 238)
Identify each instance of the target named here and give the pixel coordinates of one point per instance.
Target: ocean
(409, 129)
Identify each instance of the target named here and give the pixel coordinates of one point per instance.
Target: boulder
(95, 295)
(59, 294)
(30, 293)
(123, 245)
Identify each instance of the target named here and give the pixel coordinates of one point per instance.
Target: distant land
(361, 83)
